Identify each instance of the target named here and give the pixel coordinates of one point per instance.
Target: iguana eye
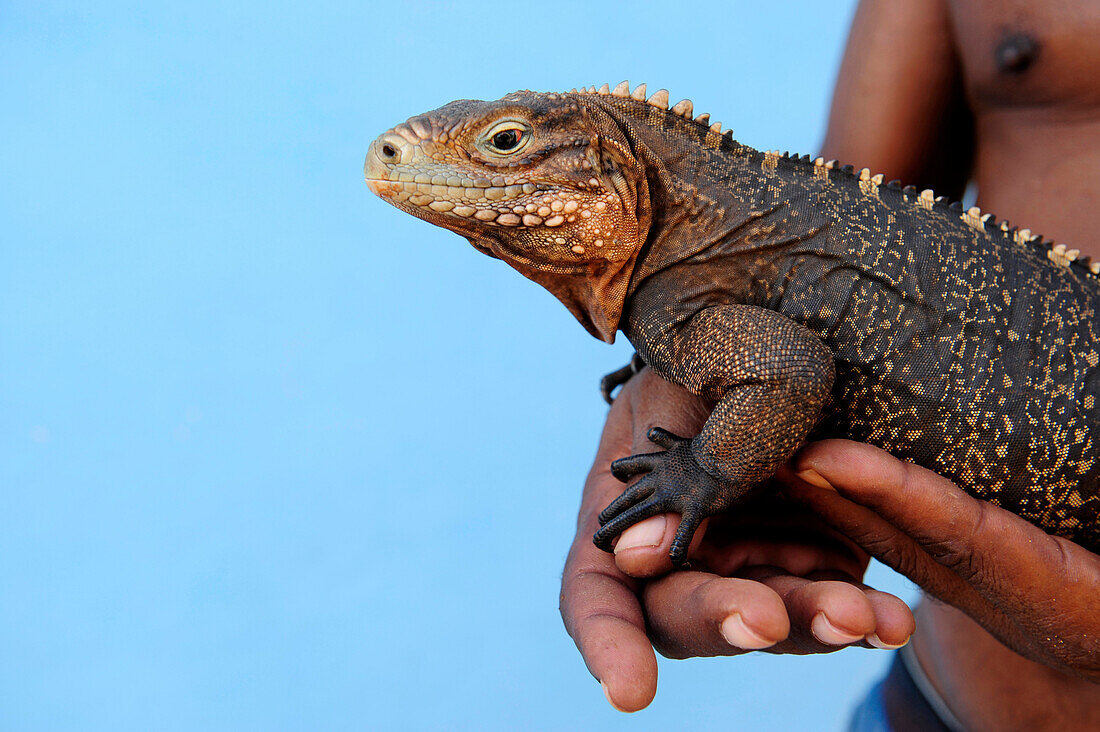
(506, 137)
(506, 140)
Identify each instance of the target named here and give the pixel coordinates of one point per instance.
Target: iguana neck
(703, 190)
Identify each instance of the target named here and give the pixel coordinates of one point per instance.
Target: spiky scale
(622, 89)
(638, 93)
(659, 99)
(703, 119)
(683, 108)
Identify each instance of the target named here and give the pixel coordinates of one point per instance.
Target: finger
(1022, 584)
(599, 604)
(894, 621)
(889, 545)
(824, 615)
(637, 492)
(604, 618)
(643, 550)
(663, 437)
(626, 468)
(1004, 557)
(700, 614)
(1050, 619)
(626, 519)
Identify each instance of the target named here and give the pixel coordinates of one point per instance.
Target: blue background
(274, 455)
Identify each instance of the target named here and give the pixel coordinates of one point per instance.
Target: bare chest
(1025, 53)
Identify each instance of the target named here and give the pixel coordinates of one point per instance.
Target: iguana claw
(618, 377)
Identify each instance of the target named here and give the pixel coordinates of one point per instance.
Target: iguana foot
(674, 482)
(618, 377)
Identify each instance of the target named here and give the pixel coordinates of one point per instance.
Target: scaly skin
(794, 295)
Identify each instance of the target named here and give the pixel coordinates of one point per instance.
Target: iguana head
(549, 183)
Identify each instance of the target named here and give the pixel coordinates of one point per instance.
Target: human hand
(769, 575)
(1034, 592)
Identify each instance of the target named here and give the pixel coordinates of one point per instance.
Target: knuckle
(894, 556)
(958, 548)
(669, 649)
(892, 549)
(960, 542)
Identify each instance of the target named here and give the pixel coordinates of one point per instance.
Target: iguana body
(795, 295)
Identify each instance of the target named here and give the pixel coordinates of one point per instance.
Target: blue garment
(870, 714)
(904, 701)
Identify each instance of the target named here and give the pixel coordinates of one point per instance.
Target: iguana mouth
(469, 198)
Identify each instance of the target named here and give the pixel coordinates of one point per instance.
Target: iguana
(801, 298)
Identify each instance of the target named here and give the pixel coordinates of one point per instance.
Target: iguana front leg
(769, 377)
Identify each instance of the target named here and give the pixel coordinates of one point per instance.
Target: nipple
(1015, 53)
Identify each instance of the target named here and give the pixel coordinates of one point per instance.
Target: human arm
(899, 107)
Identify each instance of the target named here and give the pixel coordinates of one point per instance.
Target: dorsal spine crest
(926, 199)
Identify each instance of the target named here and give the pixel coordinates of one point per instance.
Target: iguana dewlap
(794, 294)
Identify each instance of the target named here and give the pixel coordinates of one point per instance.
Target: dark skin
(932, 93)
(767, 577)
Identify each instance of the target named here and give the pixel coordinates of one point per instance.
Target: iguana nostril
(388, 151)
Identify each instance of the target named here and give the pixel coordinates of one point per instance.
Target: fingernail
(814, 478)
(647, 533)
(828, 633)
(607, 695)
(738, 635)
(877, 642)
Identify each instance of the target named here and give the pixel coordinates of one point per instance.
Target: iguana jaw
(561, 210)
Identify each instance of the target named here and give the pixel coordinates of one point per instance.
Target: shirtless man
(1007, 94)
